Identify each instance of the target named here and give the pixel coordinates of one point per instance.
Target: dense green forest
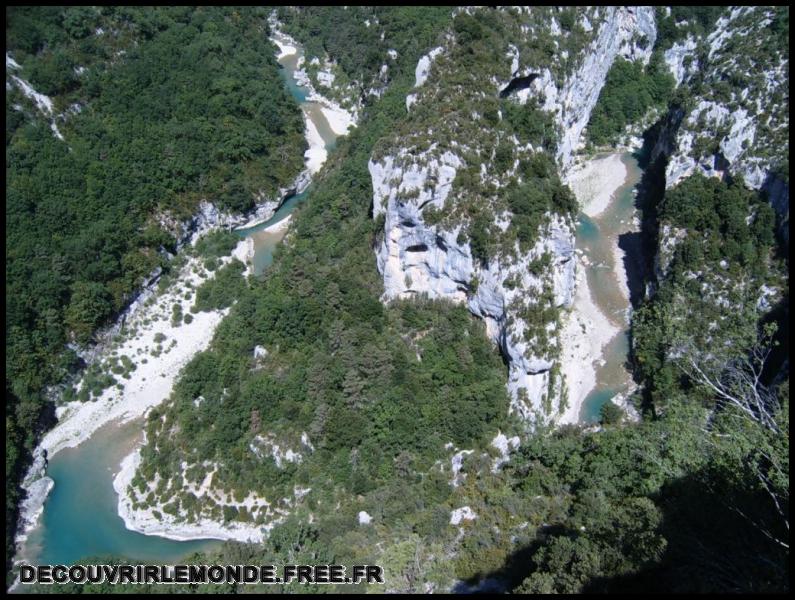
(359, 49)
(708, 295)
(695, 497)
(621, 509)
(379, 390)
(159, 108)
(629, 92)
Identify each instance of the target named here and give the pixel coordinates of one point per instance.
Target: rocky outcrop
(43, 104)
(740, 130)
(37, 487)
(416, 258)
(344, 100)
(421, 73)
(209, 216)
(738, 123)
(266, 207)
(138, 515)
(424, 66)
(681, 59)
(629, 32)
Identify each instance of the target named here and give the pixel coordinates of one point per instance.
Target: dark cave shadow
(632, 245)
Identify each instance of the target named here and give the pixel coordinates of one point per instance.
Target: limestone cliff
(513, 289)
(737, 119)
(415, 258)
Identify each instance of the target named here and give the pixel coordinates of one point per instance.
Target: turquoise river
(80, 517)
(597, 238)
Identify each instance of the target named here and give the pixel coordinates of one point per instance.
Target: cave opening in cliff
(518, 83)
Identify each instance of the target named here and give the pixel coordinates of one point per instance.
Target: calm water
(80, 516)
(596, 237)
(265, 242)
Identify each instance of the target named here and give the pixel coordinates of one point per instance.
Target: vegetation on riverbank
(158, 109)
(381, 400)
(631, 90)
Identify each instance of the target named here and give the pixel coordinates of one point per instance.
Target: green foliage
(380, 389)
(467, 28)
(630, 91)
(95, 381)
(540, 192)
(176, 105)
(481, 236)
(704, 321)
(720, 213)
(90, 306)
(696, 20)
(530, 124)
(503, 156)
(222, 290)
(176, 317)
(217, 244)
(359, 49)
(728, 241)
(610, 413)
(341, 367)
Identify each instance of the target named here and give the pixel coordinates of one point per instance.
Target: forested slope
(147, 112)
(384, 402)
(386, 423)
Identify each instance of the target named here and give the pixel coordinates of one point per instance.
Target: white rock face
(616, 37)
(669, 239)
(43, 103)
(513, 54)
(415, 258)
(462, 514)
(156, 521)
(210, 217)
(619, 33)
(424, 66)
(735, 117)
(733, 146)
(266, 445)
(37, 487)
(504, 445)
(456, 462)
(675, 59)
(11, 63)
(325, 78)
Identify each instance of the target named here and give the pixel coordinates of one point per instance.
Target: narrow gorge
(416, 258)
(99, 437)
(493, 298)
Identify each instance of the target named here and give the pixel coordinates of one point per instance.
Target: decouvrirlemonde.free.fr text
(198, 574)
